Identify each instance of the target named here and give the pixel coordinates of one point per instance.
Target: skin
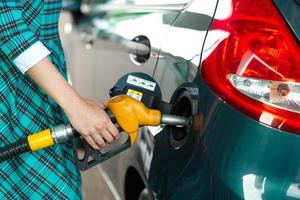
(87, 117)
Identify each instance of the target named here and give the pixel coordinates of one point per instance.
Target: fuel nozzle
(131, 114)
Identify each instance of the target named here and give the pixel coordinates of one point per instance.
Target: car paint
(232, 156)
(237, 157)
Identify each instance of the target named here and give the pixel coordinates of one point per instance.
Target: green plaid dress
(25, 108)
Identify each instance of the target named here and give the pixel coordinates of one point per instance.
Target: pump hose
(14, 149)
(22, 146)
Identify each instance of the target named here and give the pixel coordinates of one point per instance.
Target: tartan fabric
(25, 108)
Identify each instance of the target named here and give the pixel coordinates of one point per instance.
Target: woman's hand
(92, 122)
(87, 117)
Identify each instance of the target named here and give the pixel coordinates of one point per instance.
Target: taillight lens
(254, 63)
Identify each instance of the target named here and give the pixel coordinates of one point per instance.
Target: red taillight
(254, 63)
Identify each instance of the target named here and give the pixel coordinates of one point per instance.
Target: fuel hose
(43, 139)
(32, 143)
(14, 149)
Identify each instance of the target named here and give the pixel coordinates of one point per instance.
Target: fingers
(91, 142)
(113, 130)
(107, 136)
(98, 140)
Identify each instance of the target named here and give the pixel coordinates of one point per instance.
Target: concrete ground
(94, 186)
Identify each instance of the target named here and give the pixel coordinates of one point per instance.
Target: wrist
(69, 101)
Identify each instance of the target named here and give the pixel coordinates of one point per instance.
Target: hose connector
(62, 133)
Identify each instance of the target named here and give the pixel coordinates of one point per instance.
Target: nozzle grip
(92, 157)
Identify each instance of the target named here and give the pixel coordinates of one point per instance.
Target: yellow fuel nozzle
(131, 114)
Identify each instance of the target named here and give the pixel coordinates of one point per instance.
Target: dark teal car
(233, 65)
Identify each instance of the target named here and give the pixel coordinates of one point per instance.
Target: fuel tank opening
(182, 106)
(139, 49)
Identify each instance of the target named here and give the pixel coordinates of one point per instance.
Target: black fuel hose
(14, 149)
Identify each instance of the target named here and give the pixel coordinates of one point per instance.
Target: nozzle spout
(175, 120)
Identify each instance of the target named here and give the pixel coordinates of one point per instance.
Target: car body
(245, 144)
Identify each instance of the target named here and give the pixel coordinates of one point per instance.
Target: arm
(87, 117)
(18, 42)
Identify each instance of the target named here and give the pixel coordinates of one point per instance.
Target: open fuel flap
(184, 103)
(140, 86)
